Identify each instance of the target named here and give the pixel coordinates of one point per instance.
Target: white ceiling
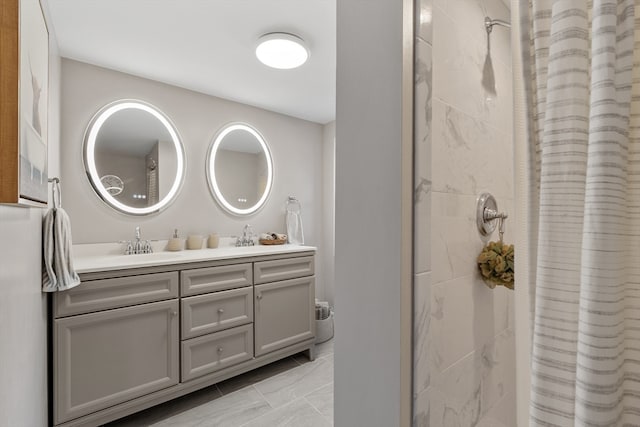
(208, 46)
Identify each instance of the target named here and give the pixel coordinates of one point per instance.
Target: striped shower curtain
(581, 67)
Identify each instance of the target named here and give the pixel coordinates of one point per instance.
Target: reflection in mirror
(240, 169)
(133, 157)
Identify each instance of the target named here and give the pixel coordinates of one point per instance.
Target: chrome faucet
(247, 237)
(138, 246)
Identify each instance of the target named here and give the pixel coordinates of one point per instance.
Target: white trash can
(324, 329)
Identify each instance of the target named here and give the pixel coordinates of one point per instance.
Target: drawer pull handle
(174, 313)
(219, 350)
(259, 296)
(221, 311)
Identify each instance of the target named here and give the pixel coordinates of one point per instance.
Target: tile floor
(292, 392)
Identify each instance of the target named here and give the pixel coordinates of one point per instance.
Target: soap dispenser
(175, 243)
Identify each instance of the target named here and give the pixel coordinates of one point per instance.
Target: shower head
(489, 23)
(488, 77)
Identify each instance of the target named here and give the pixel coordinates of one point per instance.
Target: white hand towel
(294, 228)
(58, 273)
(295, 234)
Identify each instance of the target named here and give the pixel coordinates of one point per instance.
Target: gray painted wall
(23, 308)
(368, 214)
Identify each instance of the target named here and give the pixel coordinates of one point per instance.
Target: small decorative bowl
(272, 241)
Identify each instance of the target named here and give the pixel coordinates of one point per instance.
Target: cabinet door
(284, 313)
(102, 359)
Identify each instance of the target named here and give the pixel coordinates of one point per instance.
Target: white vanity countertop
(90, 258)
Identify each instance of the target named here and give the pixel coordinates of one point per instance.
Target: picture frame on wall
(24, 86)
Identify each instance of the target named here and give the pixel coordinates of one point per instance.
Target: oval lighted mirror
(239, 169)
(134, 157)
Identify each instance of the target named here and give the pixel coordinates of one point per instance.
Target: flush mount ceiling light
(281, 50)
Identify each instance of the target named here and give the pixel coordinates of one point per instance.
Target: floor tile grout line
(316, 389)
(273, 376)
(313, 406)
(253, 382)
(325, 356)
(264, 397)
(311, 368)
(318, 410)
(261, 397)
(301, 398)
(271, 408)
(288, 371)
(270, 411)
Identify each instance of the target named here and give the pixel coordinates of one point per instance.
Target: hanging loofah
(496, 265)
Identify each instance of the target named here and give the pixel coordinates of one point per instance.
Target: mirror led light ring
(90, 164)
(213, 184)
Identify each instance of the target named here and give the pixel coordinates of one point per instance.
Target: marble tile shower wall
(464, 347)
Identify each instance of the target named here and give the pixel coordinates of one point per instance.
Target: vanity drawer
(204, 314)
(281, 269)
(210, 353)
(104, 294)
(203, 280)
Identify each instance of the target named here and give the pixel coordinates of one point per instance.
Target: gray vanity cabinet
(113, 356)
(128, 339)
